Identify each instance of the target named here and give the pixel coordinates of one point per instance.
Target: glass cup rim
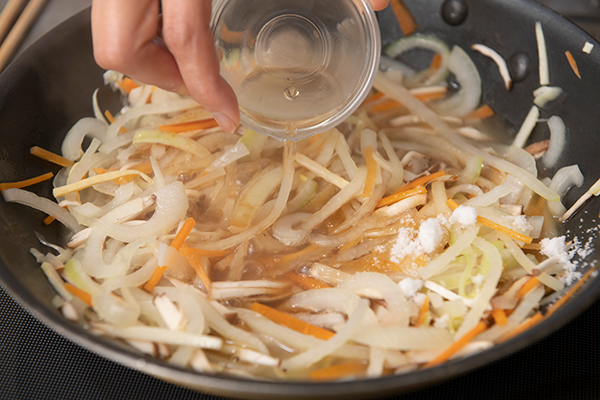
(359, 93)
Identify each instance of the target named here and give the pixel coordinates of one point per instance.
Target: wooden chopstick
(18, 32)
(9, 15)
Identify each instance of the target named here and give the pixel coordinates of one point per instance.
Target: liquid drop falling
(291, 93)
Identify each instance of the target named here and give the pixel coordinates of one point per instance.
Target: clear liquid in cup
(297, 67)
(289, 105)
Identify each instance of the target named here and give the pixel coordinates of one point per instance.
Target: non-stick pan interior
(50, 87)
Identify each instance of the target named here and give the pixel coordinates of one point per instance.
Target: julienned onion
(347, 237)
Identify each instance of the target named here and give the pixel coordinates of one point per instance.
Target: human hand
(181, 58)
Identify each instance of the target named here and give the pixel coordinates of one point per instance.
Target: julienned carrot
(183, 233)
(190, 126)
(306, 281)
(436, 62)
(490, 224)
(396, 197)
(528, 287)
(127, 84)
(51, 157)
(50, 219)
(482, 112)
(26, 182)
(371, 172)
(109, 116)
(537, 317)
(421, 181)
(192, 251)
(386, 106)
(80, 294)
(195, 262)
(405, 18)
(292, 256)
(459, 344)
(572, 63)
(570, 293)
(156, 275)
(374, 97)
(423, 312)
(314, 138)
(505, 230)
(111, 119)
(425, 97)
(392, 104)
(499, 316)
(338, 371)
(292, 322)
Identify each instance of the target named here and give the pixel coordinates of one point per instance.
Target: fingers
(379, 5)
(124, 37)
(188, 36)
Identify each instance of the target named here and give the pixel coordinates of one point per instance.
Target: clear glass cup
(298, 67)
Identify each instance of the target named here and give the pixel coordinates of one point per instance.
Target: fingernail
(225, 122)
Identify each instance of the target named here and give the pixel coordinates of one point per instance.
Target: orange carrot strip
(109, 116)
(436, 62)
(80, 294)
(482, 112)
(306, 281)
(371, 172)
(374, 97)
(49, 219)
(156, 275)
(425, 97)
(314, 138)
(459, 344)
(570, 293)
(193, 251)
(423, 312)
(490, 224)
(405, 18)
(527, 287)
(26, 182)
(572, 63)
(292, 322)
(183, 233)
(421, 181)
(51, 157)
(396, 197)
(387, 106)
(537, 317)
(505, 230)
(190, 126)
(194, 261)
(292, 256)
(499, 316)
(127, 84)
(338, 371)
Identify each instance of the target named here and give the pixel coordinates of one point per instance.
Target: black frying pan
(50, 86)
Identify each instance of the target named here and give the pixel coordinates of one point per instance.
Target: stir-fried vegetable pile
(401, 239)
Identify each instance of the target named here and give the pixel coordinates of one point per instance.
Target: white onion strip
(166, 336)
(41, 203)
(557, 141)
(497, 58)
(527, 127)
